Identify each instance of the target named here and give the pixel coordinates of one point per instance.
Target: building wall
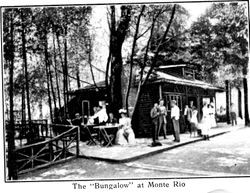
(142, 123)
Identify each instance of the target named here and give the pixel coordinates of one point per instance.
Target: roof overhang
(164, 77)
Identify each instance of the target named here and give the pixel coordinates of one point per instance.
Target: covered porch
(169, 87)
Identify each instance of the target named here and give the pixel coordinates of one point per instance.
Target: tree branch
(160, 44)
(132, 55)
(61, 72)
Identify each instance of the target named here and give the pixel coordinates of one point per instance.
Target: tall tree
(9, 57)
(133, 54)
(143, 80)
(56, 72)
(118, 32)
(25, 14)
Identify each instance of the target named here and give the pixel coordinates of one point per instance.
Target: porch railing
(42, 154)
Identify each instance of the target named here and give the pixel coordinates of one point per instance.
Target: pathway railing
(57, 149)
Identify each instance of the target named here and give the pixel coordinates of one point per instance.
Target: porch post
(239, 104)
(199, 107)
(227, 101)
(160, 91)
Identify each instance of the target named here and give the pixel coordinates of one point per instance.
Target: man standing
(162, 119)
(154, 114)
(233, 114)
(175, 115)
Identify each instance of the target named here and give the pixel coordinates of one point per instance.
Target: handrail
(47, 141)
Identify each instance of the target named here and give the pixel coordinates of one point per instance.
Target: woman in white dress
(193, 121)
(205, 122)
(212, 115)
(125, 134)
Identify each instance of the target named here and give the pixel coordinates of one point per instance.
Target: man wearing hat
(175, 115)
(154, 114)
(162, 119)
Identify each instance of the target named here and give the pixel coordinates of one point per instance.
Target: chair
(108, 138)
(92, 136)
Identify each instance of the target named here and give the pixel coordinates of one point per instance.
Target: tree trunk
(66, 71)
(115, 83)
(117, 38)
(143, 82)
(78, 78)
(46, 55)
(107, 78)
(23, 103)
(132, 56)
(246, 100)
(41, 108)
(24, 52)
(64, 86)
(12, 172)
(240, 103)
(52, 87)
(145, 59)
(56, 74)
(90, 62)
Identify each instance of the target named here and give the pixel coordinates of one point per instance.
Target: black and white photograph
(112, 96)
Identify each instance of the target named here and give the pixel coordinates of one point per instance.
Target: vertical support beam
(186, 95)
(199, 107)
(160, 91)
(239, 103)
(215, 105)
(78, 142)
(227, 101)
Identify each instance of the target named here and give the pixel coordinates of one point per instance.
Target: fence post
(32, 155)
(51, 153)
(78, 142)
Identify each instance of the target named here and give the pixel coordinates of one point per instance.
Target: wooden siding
(142, 123)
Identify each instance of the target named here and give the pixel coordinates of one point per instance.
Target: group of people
(159, 118)
(191, 119)
(207, 122)
(125, 134)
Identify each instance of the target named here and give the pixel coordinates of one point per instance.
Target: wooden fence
(26, 132)
(58, 148)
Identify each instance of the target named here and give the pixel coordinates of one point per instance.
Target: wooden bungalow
(83, 100)
(172, 82)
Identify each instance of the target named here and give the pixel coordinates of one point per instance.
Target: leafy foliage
(219, 43)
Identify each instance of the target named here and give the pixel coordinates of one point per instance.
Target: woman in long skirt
(205, 122)
(125, 134)
(212, 114)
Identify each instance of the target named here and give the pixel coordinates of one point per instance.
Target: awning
(164, 77)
